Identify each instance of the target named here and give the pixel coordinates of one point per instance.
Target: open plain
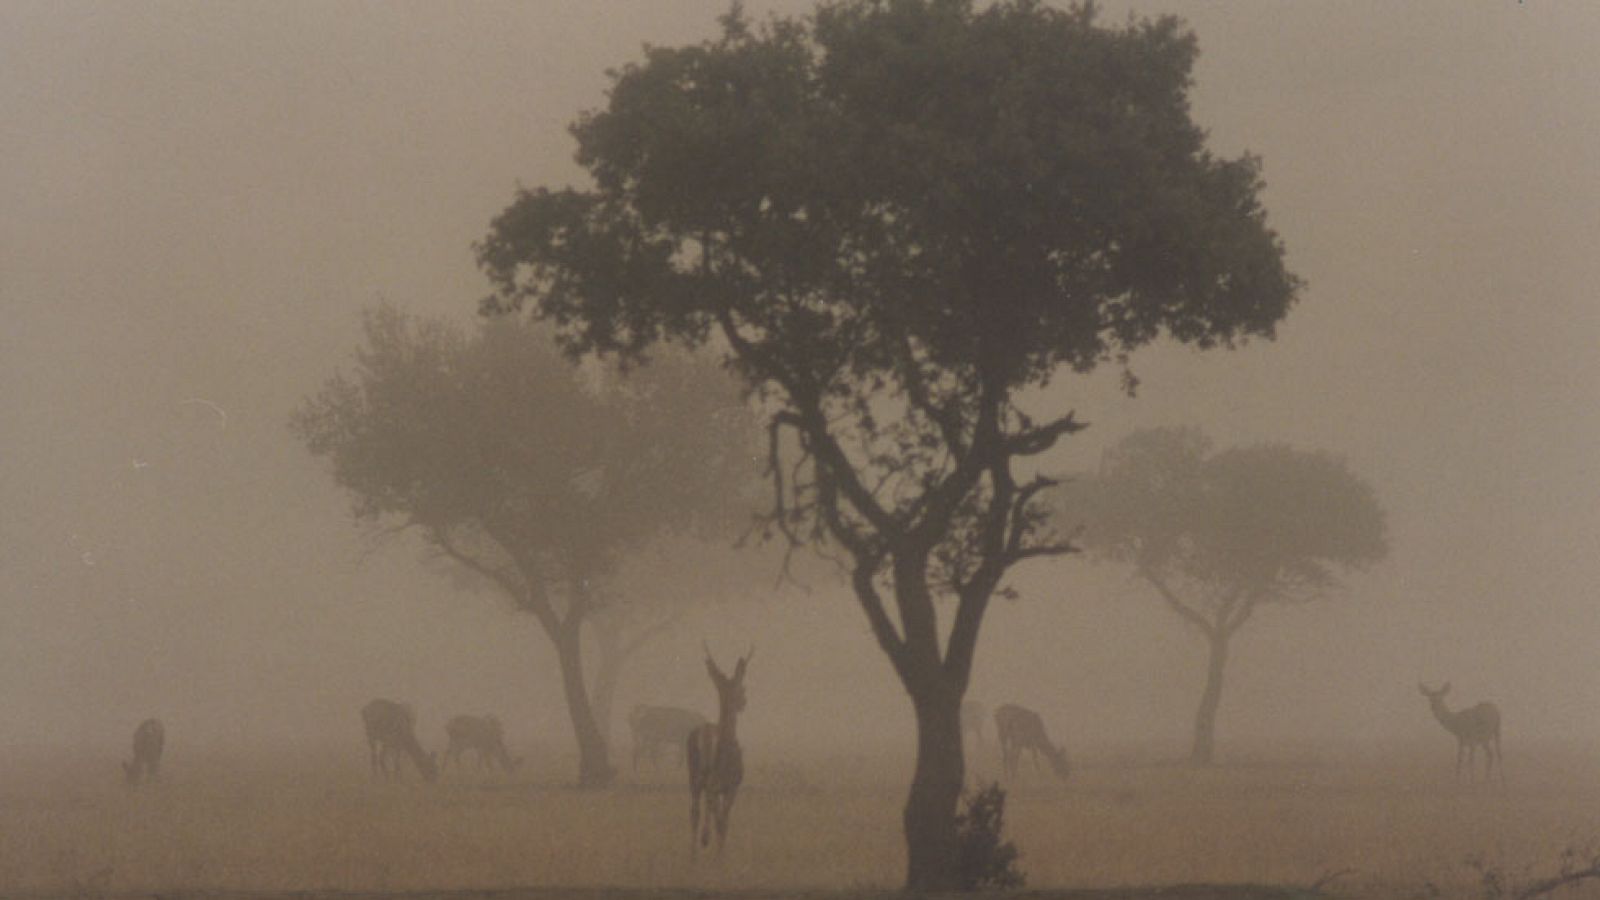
(1370, 822)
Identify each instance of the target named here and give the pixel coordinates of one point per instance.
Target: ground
(1353, 822)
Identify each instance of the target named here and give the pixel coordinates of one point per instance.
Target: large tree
(896, 218)
(1216, 536)
(535, 475)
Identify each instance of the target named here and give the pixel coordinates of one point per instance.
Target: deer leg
(724, 810)
(694, 820)
(707, 823)
(1461, 749)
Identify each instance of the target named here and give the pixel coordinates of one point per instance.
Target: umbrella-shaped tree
(896, 218)
(532, 473)
(1217, 536)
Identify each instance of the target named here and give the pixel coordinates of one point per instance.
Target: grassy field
(1392, 823)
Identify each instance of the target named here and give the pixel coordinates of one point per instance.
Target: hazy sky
(196, 201)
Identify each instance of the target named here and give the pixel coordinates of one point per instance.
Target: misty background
(197, 200)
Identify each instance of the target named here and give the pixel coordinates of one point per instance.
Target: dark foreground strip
(1170, 892)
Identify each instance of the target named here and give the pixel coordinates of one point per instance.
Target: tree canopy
(1264, 523)
(1219, 534)
(894, 217)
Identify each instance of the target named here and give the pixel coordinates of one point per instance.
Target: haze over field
(197, 201)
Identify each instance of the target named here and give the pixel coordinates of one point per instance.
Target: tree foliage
(1258, 524)
(527, 471)
(894, 218)
(1219, 534)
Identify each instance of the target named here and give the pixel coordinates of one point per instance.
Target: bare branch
(1042, 551)
(1189, 614)
(1241, 614)
(1037, 440)
(877, 616)
(526, 595)
(1545, 886)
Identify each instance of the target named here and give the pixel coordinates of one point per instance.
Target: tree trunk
(1205, 720)
(930, 813)
(609, 657)
(594, 764)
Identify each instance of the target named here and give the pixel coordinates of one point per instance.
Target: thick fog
(197, 200)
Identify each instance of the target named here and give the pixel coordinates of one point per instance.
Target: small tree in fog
(516, 466)
(897, 220)
(1218, 535)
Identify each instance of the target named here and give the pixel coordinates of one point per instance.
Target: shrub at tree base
(985, 861)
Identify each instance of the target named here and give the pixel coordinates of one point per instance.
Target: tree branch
(1037, 440)
(527, 596)
(944, 417)
(1242, 613)
(877, 616)
(1189, 614)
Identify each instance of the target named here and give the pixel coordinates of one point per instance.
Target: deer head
(730, 690)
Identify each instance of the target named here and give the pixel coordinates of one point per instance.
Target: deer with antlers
(1019, 729)
(1473, 727)
(716, 764)
(148, 741)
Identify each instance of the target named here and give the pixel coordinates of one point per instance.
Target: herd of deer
(711, 752)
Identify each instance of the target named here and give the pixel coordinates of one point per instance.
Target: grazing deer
(716, 765)
(148, 741)
(391, 732)
(484, 736)
(1473, 727)
(972, 715)
(655, 727)
(1020, 729)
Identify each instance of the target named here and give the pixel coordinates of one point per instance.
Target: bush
(985, 860)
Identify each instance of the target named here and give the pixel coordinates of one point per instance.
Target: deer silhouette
(391, 734)
(1473, 727)
(148, 741)
(654, 727)
(716, 764)
(1019, 729)
(485, 737)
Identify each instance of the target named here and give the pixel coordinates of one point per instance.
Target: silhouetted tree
(533, 474)
(1217, 536)
(895, 218)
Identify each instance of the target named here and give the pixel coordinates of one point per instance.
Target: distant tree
(896, 218)
(1218, 535)
(534, 475)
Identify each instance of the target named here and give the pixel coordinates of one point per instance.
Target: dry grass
(1397, 821)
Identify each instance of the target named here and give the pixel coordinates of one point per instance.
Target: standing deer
(1021, 729)
(716, 765)
(1473, 727)
(148, 741)
(484, 736)
(654, 727)
(972, 715)
(391, 732)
